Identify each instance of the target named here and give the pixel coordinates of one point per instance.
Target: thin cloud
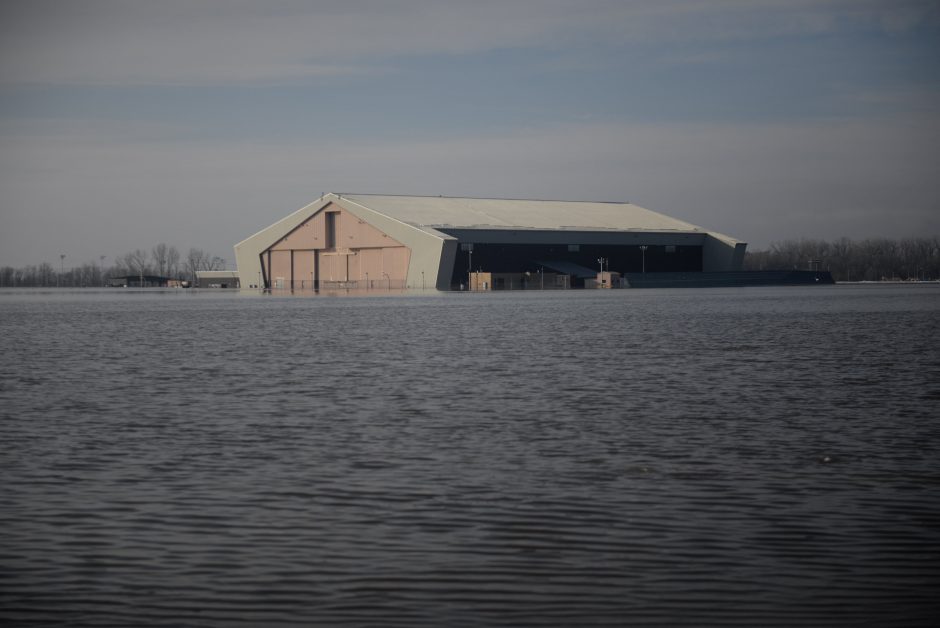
(224, 42)
(855, 178)
(746, 118)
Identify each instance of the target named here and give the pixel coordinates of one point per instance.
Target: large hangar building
(378, 241)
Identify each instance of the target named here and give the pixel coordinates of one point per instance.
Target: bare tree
(137, 262)
(159, 254)
(871, 259)
(172, 262)
(46, 274)
(194, 262)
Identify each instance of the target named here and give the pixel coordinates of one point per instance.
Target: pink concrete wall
(361, 252)
(333, 267)
(309, 235)
(380, 265)
(280, 266)
(303, 269)
(351, 231)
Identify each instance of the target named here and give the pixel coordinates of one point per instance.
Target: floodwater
(749, 456)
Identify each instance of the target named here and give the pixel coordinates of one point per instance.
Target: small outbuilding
(140, 281)
(608, 279)
(217, 279)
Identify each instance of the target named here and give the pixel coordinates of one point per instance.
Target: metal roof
(568, 268)
(426, 226)
(494, 213)
(216, 274)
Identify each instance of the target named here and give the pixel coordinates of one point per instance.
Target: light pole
(61, 269)
(468, 247)
(643, 248)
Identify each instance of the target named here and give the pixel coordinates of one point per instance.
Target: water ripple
(701, 458)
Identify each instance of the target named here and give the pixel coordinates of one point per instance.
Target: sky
(197, 123)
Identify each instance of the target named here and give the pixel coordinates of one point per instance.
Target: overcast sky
(124, 124)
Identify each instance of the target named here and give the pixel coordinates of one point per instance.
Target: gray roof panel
(490, 213)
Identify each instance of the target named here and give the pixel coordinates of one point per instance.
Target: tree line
(162, 260)
(871, 259)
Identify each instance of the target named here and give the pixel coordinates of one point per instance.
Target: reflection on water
(724, 457)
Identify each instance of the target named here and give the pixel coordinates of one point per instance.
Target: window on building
(331, 230)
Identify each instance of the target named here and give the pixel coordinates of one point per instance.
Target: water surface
(750, 456)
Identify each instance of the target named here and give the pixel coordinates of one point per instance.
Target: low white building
(217, 279)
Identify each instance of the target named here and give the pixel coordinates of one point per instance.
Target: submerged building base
(408, 242)
(728, 279)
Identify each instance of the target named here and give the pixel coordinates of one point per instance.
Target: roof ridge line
(479, 198)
